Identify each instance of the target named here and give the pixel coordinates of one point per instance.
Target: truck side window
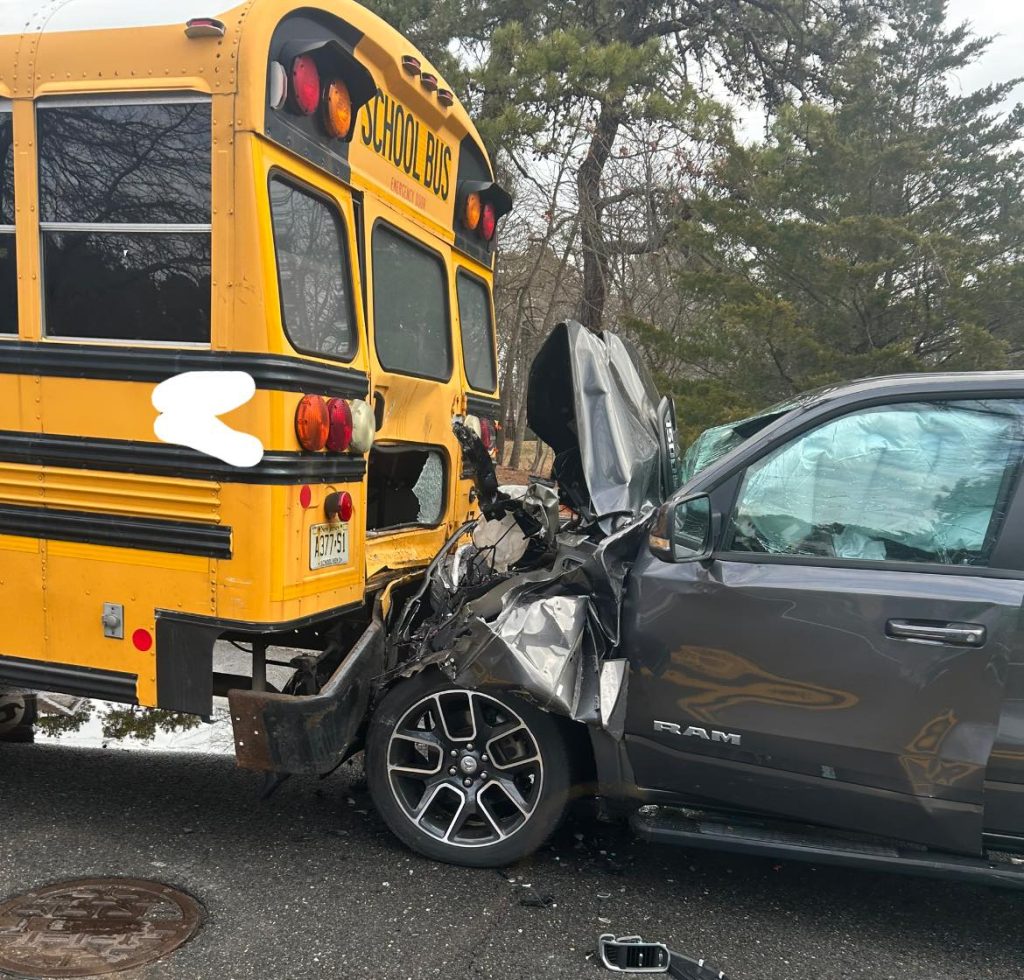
(8, 253)
(920, 482)
(313, 272)
(125, 208)
(410, 307)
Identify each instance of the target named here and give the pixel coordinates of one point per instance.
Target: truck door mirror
(682, 530)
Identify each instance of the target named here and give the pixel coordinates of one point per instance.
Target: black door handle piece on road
(954, 634)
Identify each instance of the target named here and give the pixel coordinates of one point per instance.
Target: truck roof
(927, 383)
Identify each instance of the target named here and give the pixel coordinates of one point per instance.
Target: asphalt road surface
(311, 884)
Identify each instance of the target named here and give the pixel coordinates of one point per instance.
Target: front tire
(466, 777)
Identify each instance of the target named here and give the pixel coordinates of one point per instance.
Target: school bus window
(313, 272)
(405, 486)
(410, 307)
(8, 254)
(124, 199)
(477, 332)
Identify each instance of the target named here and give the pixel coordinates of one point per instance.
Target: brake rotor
(93, 927)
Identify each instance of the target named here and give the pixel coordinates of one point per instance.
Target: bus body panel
(102, 511)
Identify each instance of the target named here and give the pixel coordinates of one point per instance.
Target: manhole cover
(93, 927)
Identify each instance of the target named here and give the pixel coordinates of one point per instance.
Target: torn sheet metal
(603, 426)
(542, 632)
(537, 648)
(614, 687)
(546, 637)
(532, 602)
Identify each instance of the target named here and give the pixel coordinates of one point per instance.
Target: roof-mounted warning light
(204, 27)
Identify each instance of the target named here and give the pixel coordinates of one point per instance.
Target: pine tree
(532, 70)
(879, 233)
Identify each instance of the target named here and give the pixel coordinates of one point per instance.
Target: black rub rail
(107, 363)
(117, 531)
(159, 459)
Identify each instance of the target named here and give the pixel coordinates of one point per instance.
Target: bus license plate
(328, 545)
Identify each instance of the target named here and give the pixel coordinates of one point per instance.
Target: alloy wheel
(465, 768)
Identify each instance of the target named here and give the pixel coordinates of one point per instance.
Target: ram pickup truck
(811, 648)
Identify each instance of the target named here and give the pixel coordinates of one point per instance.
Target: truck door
(841, 658)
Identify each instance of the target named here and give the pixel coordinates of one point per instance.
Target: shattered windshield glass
(714, 443)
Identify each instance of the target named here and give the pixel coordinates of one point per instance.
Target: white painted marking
(189, 404)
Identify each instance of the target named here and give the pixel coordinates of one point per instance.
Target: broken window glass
(406, 487)
(920, 482)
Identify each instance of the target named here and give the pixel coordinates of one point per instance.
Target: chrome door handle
(956, 634)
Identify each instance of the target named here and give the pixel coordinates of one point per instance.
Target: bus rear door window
(313, 272)
(125, 206)
(410, 307)
(477, 332)
(406, 487)
(8, 253)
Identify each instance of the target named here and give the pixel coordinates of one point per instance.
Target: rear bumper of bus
(313, 734)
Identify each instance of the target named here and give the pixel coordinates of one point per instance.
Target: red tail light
(305, 85)
(488, 222)
(312, 423)
(340, 415)
(339, 505)
(345, 507)
(487, 434)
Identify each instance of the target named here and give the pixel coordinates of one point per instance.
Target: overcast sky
(992, 17)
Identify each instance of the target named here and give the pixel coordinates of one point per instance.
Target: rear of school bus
(285, 192)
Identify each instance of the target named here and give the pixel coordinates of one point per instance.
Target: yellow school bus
(290, 193)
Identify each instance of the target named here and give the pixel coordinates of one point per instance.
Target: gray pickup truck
(803, 640)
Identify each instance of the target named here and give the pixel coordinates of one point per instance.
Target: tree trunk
(588, 183)
(517, 448)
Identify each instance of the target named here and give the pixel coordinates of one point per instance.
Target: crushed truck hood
(593, 402)
(528, 598)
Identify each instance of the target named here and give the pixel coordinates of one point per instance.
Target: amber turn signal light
(472, 212)
(338, 110)
(312, 423)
